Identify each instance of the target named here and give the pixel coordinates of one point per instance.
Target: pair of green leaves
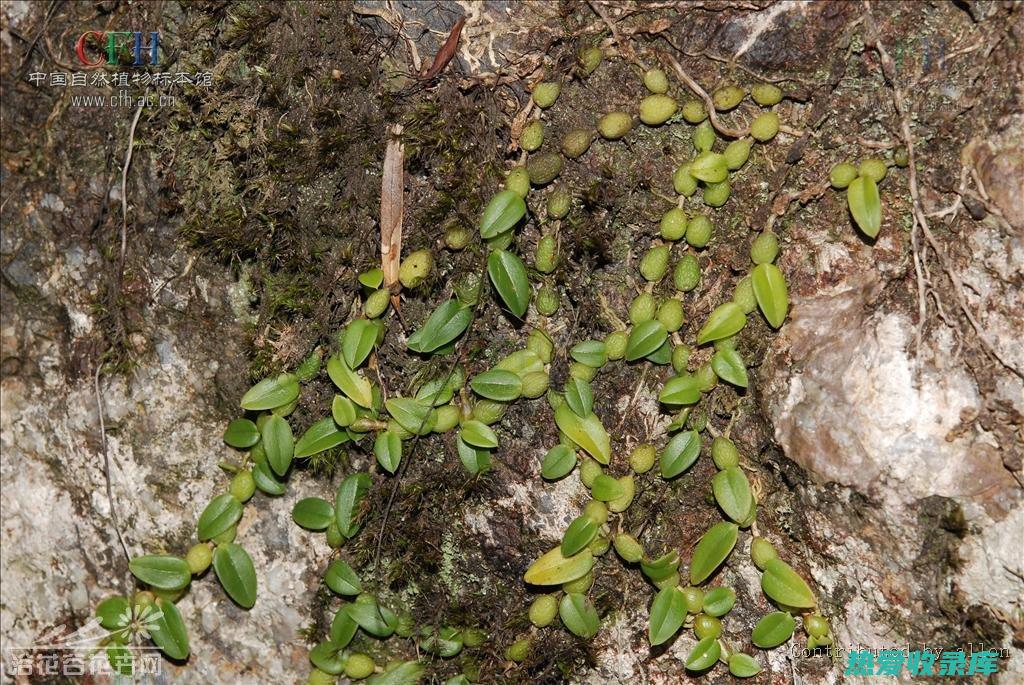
(508, 275)
(645, 339)
(358, 341)
(163, 622)
(443, 326)
(231, 563)
(578, 615)
(476, 460)
(586, 431)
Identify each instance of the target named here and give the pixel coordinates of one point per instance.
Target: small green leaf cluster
(861, 185)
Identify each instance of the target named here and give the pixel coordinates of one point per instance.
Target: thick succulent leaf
(168, 630)
(712, 550)
(680, 390)
(160, 571)
(590, 353)
(774, 629)
(445, 324)
(585, 431)
(508, 274)
(358, 340)
(407, 673)
(236, 573)
(728, 365)
(645, 339)
(242, 434)
(726, 320)
(498, 385)
(342, 579)
(578, 615)
(476, 459)
(320, 437)
(771, 293)
(113, 612)
(743, 665)
(719, 601)
(266, 481)
(580, 533)
(357, 388)
(219, 516)
(554, 569)
(680, 453)
(271, 392)
(279, 444)
(347, 502)
(733, 494)
(502, 213)
(668, 611)
(606, 488)
(579, 396)
(559, 461)
(478, 434)
(411, 414)
(865, 205)
(704, 655)
(313, 513)
(785, 586)
(388, 449)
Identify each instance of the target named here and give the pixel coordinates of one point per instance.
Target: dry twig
(392, 209)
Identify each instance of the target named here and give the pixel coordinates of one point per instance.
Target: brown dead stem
(392, 210)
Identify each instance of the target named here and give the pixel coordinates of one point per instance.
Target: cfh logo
(114, 44)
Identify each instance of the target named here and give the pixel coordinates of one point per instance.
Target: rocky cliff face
(891, 468)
